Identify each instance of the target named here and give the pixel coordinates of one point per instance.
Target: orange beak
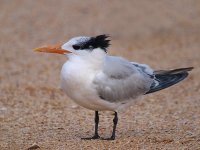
(52, 49)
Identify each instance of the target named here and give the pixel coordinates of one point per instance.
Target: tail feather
(167, 78)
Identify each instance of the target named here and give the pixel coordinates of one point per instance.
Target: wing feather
(120, 80)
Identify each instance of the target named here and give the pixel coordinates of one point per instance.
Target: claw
(92, 138)
(109, 139)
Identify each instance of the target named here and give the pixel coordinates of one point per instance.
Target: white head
(79, 45)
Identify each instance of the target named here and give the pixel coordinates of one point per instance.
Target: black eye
(90, 47)
(76, 47)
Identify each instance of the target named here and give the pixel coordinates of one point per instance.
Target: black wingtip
(189, 68)
(174, 71)
(167, 78)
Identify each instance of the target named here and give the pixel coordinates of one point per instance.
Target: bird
(101, 82)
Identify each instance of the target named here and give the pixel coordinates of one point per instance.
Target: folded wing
(121, 80)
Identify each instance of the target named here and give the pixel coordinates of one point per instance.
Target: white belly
(76, 81)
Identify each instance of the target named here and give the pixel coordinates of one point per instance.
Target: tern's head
(79, 45)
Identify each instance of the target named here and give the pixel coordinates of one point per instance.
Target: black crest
(99, 41)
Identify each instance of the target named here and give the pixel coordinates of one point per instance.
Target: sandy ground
(33, 109)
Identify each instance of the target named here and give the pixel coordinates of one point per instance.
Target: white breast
(77, 82)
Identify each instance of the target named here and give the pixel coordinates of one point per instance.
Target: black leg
(115, 120)
(96, 120)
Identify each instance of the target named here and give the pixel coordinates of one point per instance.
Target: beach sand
(33, 108)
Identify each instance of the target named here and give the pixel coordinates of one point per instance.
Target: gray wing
(121, 80)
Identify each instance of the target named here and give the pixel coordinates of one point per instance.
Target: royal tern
(100, 82)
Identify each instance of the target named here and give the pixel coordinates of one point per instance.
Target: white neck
(93, 58)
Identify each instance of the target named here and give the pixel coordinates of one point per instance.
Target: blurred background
(33, 109)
